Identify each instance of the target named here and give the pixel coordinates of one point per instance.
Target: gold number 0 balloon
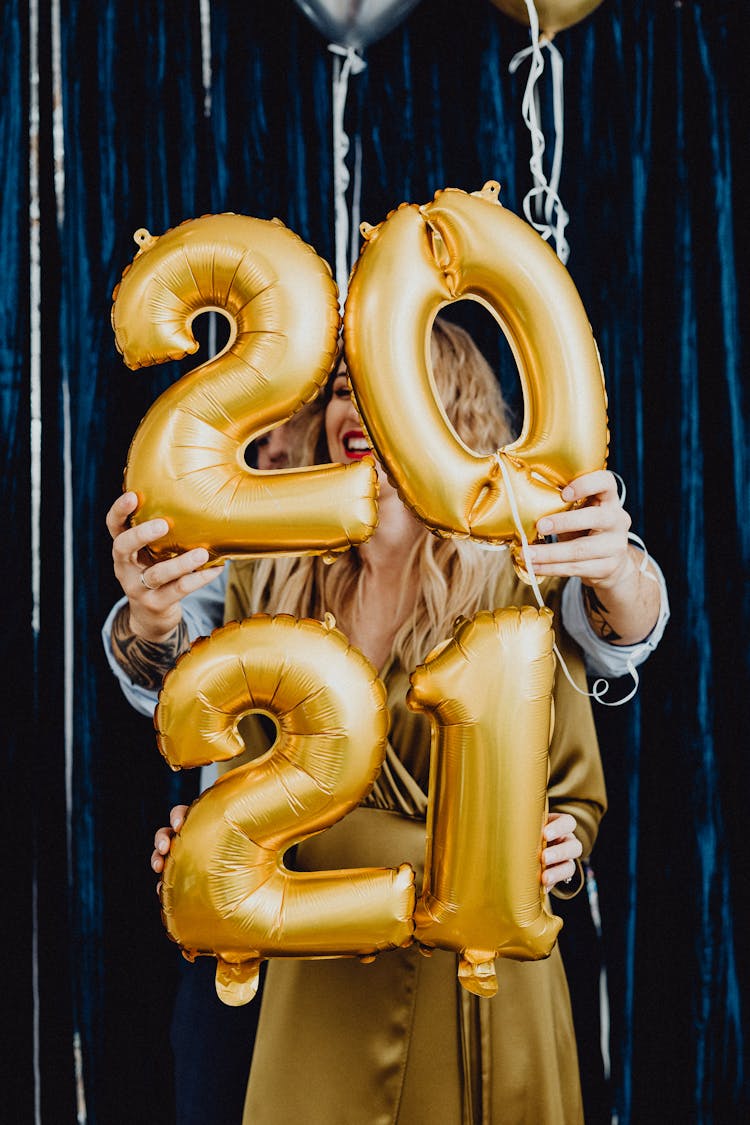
(225, 889)
(488, 692)
(414, 263)
(186, 461)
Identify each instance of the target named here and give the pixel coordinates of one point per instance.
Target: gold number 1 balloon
(225, 889)
(186, 461)
(488, 692)
(420, 259)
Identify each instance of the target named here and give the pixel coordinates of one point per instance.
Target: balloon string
(205, 15)
(346, 61)
(356, 202)
(601, 686)
(555, 216)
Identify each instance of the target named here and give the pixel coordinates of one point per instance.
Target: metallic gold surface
(420, 259)
(186, 461)
(488, 692)
(554, 15)
(225, 888)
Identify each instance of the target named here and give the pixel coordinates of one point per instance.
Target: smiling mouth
(356, 445)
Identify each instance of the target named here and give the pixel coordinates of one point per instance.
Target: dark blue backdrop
(653, 178)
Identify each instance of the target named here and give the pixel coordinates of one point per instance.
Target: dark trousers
(212, 1045)
(580, 946)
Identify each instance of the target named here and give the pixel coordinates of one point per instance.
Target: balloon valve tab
(237, 982)
(478, 977)
(491, 191)
(366, 958)
(144, 239)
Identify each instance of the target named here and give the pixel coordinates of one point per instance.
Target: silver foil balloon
(356, 23)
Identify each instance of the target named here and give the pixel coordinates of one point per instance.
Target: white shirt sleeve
(202, 612)
(600, 657)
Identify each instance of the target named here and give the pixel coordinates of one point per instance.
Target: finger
(558, 874)
(559, 825)
(140, 588)
(582, 549)
(162, 573)
(197, 580)
(157, 862)
(160, 599)
(600, 517)
(600, 483)
(128, 543)
(121, 510)
(162, 840)
(177, 816)
(568, 849)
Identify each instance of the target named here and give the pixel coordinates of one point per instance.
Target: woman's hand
(622, 602)
(154, 590)
(592, 539)
(164, 836)
(561, 849)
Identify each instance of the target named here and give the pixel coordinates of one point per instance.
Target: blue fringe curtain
(655, 184)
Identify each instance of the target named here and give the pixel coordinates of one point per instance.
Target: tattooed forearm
(146, 662)
(597, 615)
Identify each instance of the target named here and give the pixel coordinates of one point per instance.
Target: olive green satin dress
(398, 1040)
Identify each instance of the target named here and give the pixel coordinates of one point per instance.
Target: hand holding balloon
(622, 602)
(561, 850)
(562, 847)
(153, 591)
(164, 836)
(593, 537)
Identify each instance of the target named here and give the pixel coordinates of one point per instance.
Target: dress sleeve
(602, 658)
(202, 612)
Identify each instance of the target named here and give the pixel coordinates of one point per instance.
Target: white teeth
(356, 445)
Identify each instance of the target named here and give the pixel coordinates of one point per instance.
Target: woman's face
(344, 433)
(272, 450)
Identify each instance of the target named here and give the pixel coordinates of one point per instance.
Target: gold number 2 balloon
(414, 263)
(186, 461)
(225, 889)
(488, 692)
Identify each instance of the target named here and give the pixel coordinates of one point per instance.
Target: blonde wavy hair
(452, 574)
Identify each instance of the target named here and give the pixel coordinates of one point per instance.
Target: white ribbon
(544, 193)
(346, 61)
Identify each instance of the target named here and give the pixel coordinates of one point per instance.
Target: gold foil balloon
(355, 24)
(415, 262)
(488, 692)
(554, 15)
(225, 888)
(186, 461)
